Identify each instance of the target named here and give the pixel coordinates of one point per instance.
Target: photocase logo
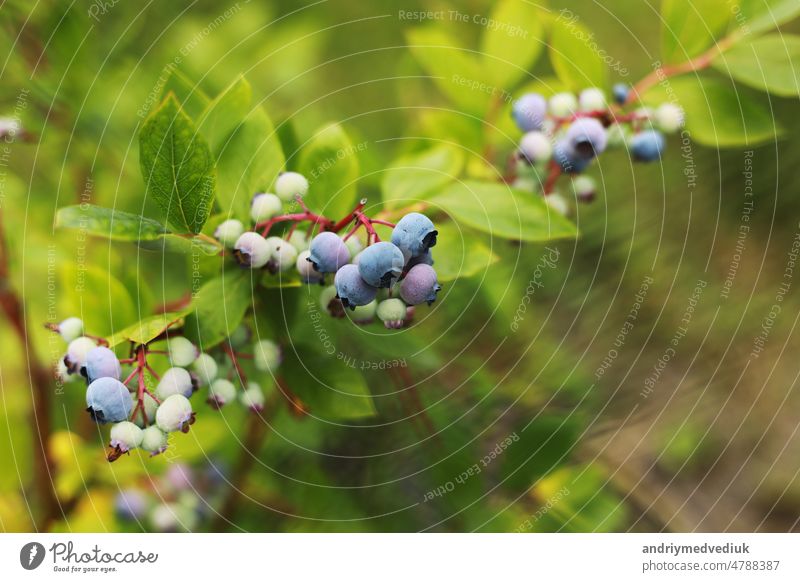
(31, 555)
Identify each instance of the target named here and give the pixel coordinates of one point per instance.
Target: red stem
(235, 361)
(552, 178)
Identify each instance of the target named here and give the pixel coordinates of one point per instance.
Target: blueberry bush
(275, 307)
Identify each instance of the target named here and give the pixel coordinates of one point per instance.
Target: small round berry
(240, 336)
(179, 477)
(283, 255)
(669, 118)
(328, 253)
(154, 440)
(175, 381)
(558, 203)
(425, 258)
(413, 235)
(182, 352)
(592, 99)
(264, 206)
(62, 373)
(647, 146)
(382, 263)
(150, 406)
(331, 303)
(621, 92)
(267, 355)
(617, 135)
(529, 111)
(587, 137)
(351, 288)
(70, 329)
(228, 232)
(251, 250)
(535, 147)
(126, 436)
(77, 351)
(175, 414)
(420, 285)
(253, 397)
(585, 188)
(205, 369)
(566, 157)
(562, 105)
(221, 392)
(306, 270)
(130, 504)
(101, 362)
(290, 185)
(364, 314)
(108, 400)
(299, 240)
(392, 312)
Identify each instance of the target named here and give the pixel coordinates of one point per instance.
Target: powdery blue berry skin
(570, 162)
(420, 285)
(328, 253)
(290, 185)
(251, 250)
(174, 414)
(101, 362)
(126, 436)
(228, 232)
(647, 146)
(413, 235)
(587, 137)
(535, 147)
(264, 206)
(70, 329)
(621, 92)
(351, 288)
(175, 381)
(381, 264)
(108, 400)
(529, 111)
(154, 440)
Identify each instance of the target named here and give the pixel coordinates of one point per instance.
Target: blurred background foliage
(713, 447)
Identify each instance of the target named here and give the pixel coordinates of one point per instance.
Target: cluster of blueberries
(567, 132)
(167, 409)
(403, 267)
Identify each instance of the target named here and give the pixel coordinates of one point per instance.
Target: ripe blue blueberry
(413, 235)
(70, 329)
(204, 369)
(529, 111)
(228, 232)
(328, 253)
(393, 313)
(154, 440)
(621, 92)
(264, 206)
(125, 436)
(77, 351)
(267, 355)
(592, 99)
(101, 362)
(108, 400)
(251, 250)
(647, 146)
(587, 137)
(253, 397)
(306, 270)
(566, 157)
(221, 392)
(535, 147)
(351, 288)
(420, 285)
(331, 303)
(175, 414)
(290, 185)
(175, 381)
(381, 264)
(182, 352)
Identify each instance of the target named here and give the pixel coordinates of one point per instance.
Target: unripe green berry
(264, 206)
(266, 355)
(392, 312)
(228, 232)
(291, 185)
(126, 436)
(205, 369)
(221, 392)
(253, 397)
(154, 440)
(182, 352)
(175, 414)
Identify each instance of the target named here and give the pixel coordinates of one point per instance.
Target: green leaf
(767, 63)
(218, 308)
(689, 28)
(575, 56)
(225, 112)
(177, 167)
(249, 162)
(176, 243)
(148, 328)
(758, 16)
(454, 69)
(510, 49)
(191, 97)
(413, 177)
(503, 212)
(99, 298)
(330, 163)
(460, 253)
(109, 223)
(330, 388)
(718, 113)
